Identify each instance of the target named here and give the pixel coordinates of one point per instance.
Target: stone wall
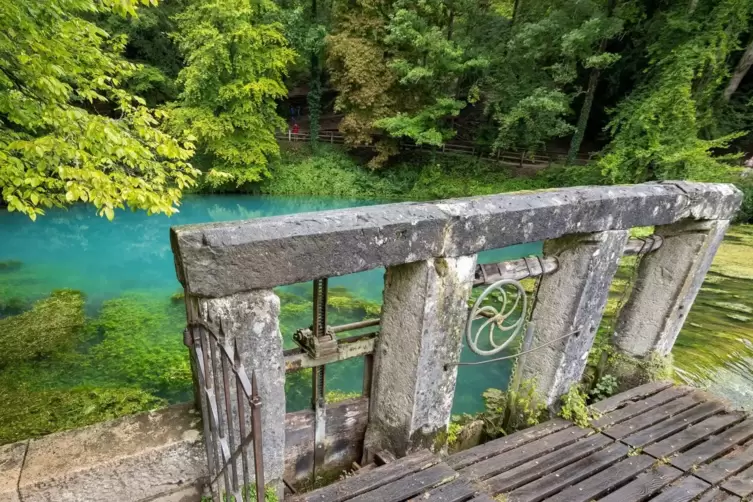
(156, 457)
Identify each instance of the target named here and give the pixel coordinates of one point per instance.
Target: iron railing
(230, 407)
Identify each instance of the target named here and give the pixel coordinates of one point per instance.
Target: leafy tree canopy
(235, 58)
(69, 130)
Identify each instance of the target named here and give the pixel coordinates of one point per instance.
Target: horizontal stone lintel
(219, 259)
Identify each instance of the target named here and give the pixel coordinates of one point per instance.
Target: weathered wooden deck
(657, 442)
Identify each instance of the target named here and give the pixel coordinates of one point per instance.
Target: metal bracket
(319, 340)
(316, 346)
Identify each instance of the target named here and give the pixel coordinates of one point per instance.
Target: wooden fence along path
(509, 157)
(657, 442)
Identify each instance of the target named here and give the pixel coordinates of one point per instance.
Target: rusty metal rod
(529, 267)
(241, 421)
(355, 325)
(256, 404)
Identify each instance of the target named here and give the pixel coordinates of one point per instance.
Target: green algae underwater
(91, 318)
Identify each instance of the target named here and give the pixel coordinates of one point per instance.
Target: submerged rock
(10, 265)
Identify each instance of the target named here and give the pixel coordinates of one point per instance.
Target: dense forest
(132, 102)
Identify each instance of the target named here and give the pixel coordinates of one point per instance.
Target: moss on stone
(26, 413)
(631, 372)
(641, 232)
(51, 326)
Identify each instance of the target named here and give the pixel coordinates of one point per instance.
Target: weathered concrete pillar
(571, 299)
(425, 308)
(250, 326)
(667, 284)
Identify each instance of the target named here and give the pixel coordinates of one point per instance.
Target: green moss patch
(734, 257)
(631, 372)
(28, 413)
(63, 372)
(51, 326)
(137, 341)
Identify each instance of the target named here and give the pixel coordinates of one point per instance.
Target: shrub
(746, 211)
(574, 407)
(331, 171)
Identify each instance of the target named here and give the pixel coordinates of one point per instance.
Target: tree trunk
(585, 112)
(450, 25)
(515, 9)
(314, 97)
(742, 68)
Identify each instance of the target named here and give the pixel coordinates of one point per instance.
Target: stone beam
(425, 308)
(665, 289)
(220, 259)
(569, 300)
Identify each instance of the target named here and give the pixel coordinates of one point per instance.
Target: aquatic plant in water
(51, 326)
(26, 413)
(65, 374)
(138, 342)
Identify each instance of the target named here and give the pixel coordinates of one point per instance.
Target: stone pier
(666, 286)
(571, 301)
(249, 323)
(425, 307)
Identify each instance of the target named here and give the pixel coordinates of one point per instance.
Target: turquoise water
(125, 269)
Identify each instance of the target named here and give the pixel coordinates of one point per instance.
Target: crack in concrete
(21, 470)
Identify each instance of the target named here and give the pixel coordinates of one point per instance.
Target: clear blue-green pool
(126, 354)
(132, 338)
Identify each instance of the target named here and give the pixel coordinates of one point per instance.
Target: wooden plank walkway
(658, 442)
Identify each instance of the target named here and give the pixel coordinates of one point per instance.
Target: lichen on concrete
(250, 324)
(219, 259)
(129, 460)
